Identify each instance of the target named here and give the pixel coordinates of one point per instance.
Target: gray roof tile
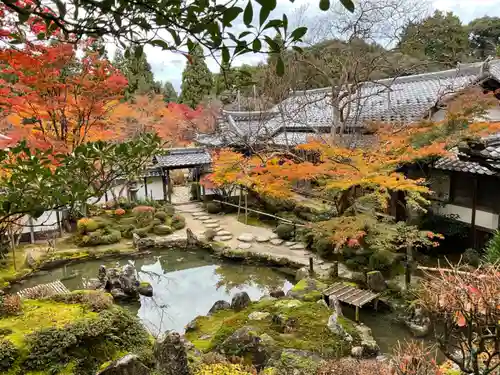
(183, 157)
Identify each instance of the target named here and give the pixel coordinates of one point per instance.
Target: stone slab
(202, 218)
(223, 232)
(276, 241)
(198, 213)
(212, 226)
(262, 238)
(246, 237)
(210, 221)
(290, 243)
(297, 246)
(244, 245)
(223, 238)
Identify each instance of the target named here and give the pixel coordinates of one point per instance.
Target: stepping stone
(223, 232)
(210, 221)
(262, 239)
(297, 246)
(276, 241)
(289, 243)
(244, 246)
(273, 236)
(223, 238)
(202, 218)
(199, 213)
(246, 237)
(213, 226)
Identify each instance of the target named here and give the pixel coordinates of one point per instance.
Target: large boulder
(307, 289)
(170, 354)
(295, 362)
(369, 346)
(219, 305)
(145, 289)
(375, 281)
(127, 365)
(336, 327)
(240, 301)
(418, 322)
(246, 342)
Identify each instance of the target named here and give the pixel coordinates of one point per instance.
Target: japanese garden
(331, 209)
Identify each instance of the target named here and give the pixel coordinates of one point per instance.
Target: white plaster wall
(492, 114)
(483, 219)
(155, 188)
(48, 221)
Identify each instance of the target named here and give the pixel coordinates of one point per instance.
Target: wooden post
(146, 186)
(246, 207)
(375, 304)
(169, 188)
(239, 203)
(164, 185)
(311, 266)
(59, 224)
(335, 272)
(473, 218)
(356, 318)
(32, 230)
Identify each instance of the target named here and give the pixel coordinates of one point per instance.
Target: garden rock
(145, 289)
(284, 323)
(223, 232)
(211, 221)
(258, 315)
(273, 236)
(219, 305)
(302, 273)
(335, 326)
(276, 241)
(212, 226)
(245, 342)
(357, 351)
(295, 362)
(30, 260)
(288, 304)
(240, 301)
(307, 289)
(375, 281)
(368, 343)
(297, 246)
(198, 214)
(262, 239)
(202, 218)
(244, 245)
(418, 322)
(267, 299)
(223, 238)
(246, 237)
(290, 243)
(127, 365)
(191, 326)
(170, 353)
(277, 293)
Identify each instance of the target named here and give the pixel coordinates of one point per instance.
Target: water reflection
(186, 284)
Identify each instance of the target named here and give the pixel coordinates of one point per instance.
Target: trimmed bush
(323, 246)
(143, 215)
(96, 300)
(10, 304)
(8, 354)
(213, 208)
(381, 260)
(143, 209)
(102, 222)
(126, 230)
(161, 215)
(472, 257)
(143, 232)
(178, 222)
(120, 212)
(169, 209)
(285, 231)
(492, 255)
(128, 221)
(104, 236)
(86, 225)
(162, 230)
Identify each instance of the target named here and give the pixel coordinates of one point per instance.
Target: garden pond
(187, 283)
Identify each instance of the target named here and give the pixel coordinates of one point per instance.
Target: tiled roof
(183, 157)
(491, 153)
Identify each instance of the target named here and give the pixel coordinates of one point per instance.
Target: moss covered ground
(309, 330)
(69, 338)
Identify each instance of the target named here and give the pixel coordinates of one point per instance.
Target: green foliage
(143, 215)
(96, 301)
(381, 260)
(143, 232)
(162, 215)
(440, 37)
(169, 209)
(8, 354)
(197, 79)
(162, 230)
(86, 225)
(323, 246)
(472, 257)
(169, 93)
(492, 254)
(213, 208)
(485, 36)
(105, 236)
(285, 231)
(126, 230)
(178, 222)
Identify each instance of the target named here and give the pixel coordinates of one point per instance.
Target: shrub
(195, 191)
(143, 232)
(351, 366)
(128, 221)
(472, 257)
(95, 300)
(492, 255)
(178, 222)
(102, 222)
(8, 354)
(10, 304)
(213, 208)
(178, 177)
(104, 236)
(381, 260)
(210, 234)
(169, 209)
(323, 246)
(161, 215)
(285, 231)
(86, 225)
(126, 230)
(162, 230)
(120, 212)
(143, 215)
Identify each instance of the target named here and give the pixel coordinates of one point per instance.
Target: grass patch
(310, 331)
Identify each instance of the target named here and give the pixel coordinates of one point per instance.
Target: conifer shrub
(178, 222)
(492, 254)
(86, 225)
(285, 231)
(8, 355)
(213, 208)
(161, 215)
(162, 230)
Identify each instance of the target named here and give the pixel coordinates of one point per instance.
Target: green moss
(312, 297)
(310, 332)
(300, 286)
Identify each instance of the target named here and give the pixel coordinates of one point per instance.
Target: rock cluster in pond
(418, 322)
(128, 365)
(122, 283)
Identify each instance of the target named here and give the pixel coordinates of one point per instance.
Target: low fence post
(311, 266)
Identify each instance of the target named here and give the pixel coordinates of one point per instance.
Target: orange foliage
(53, 98)
(175, 123)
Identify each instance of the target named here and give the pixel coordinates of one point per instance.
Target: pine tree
(138, 72)
(197, 80)
(169, 93)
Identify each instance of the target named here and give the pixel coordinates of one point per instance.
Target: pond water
(186, 284)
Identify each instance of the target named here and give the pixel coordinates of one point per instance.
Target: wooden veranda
(351, 295)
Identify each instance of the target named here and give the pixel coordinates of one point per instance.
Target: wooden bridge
(351, 295)
(44, 290)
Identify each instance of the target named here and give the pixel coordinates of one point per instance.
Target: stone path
(237, 235)
(181, 194)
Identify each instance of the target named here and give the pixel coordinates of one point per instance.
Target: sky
(168, 66)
